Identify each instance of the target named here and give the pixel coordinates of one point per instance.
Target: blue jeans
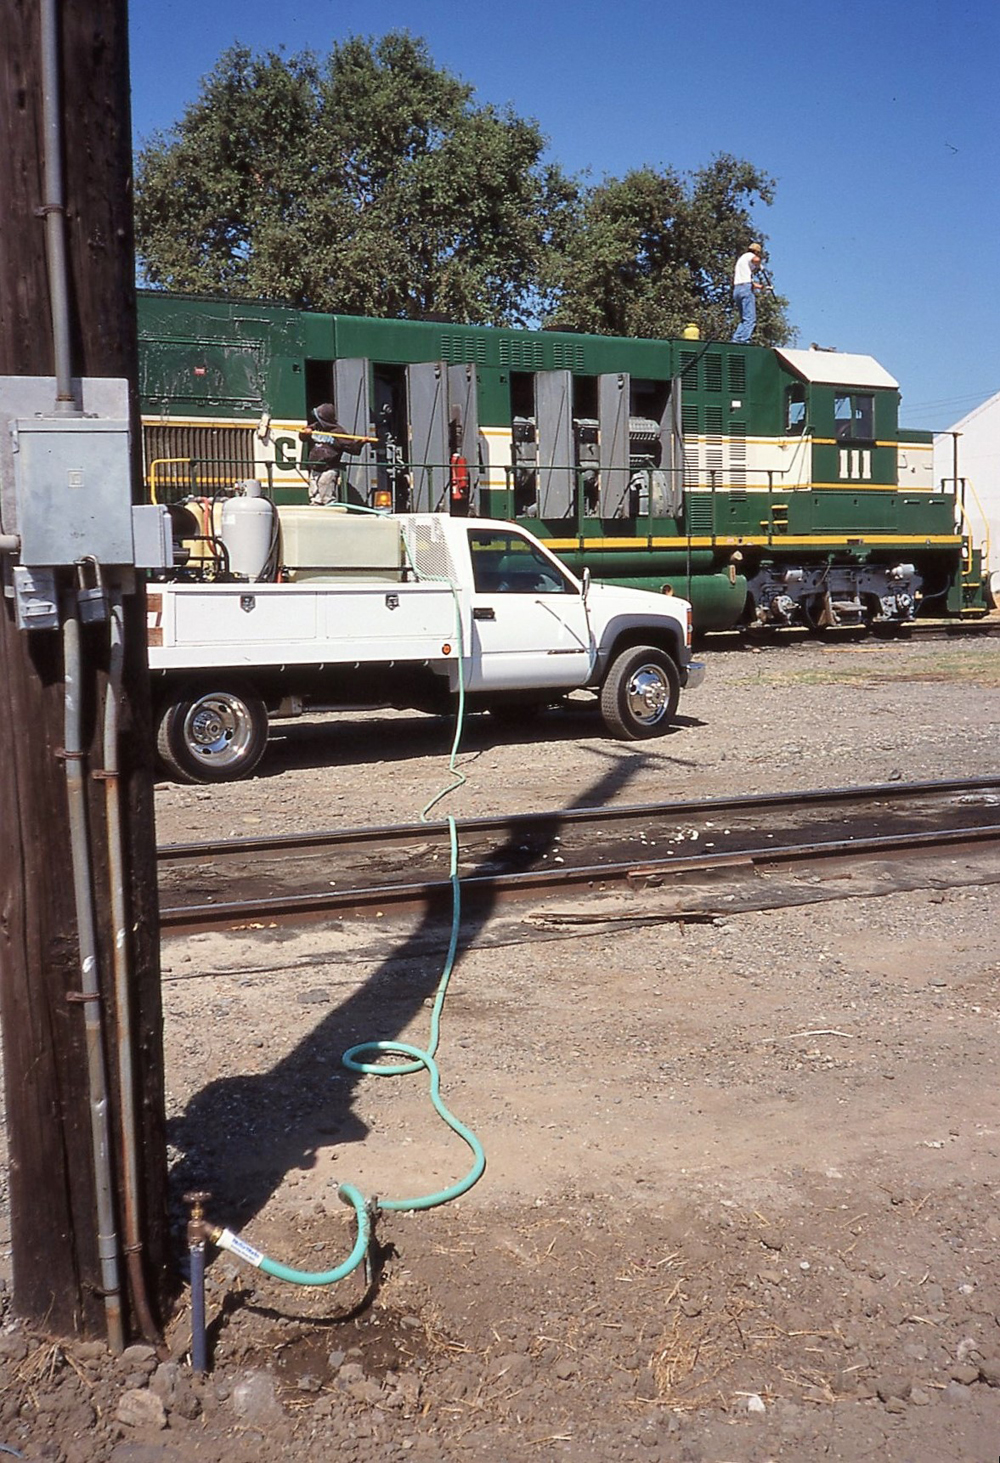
(745, 297)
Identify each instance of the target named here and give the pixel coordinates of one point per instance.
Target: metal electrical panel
(74, 490)
(65, 479)
(613, 394)
(554, 414)
(427, 390)
(353, 404)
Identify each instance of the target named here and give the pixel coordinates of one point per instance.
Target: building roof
(985, 408)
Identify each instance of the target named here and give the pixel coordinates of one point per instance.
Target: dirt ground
(739, 1196)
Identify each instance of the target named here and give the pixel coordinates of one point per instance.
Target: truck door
(529, 620)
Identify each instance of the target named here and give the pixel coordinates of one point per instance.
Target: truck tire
(640, 693)
(212, 734)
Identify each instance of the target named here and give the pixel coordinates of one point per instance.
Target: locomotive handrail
(580, 473)
(193, 464)
(986, 522)
(162, 462)
(966, 483)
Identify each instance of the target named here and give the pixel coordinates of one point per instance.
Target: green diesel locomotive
(768, 486)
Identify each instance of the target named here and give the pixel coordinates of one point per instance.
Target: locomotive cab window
(854, 418)
(506, 563)
(795, 410)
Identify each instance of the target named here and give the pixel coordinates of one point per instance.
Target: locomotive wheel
(640, 694)
(816, 613)
(213, 734)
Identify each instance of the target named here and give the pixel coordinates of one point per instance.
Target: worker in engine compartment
(324, 444)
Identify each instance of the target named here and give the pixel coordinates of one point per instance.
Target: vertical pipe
(199, 1342)
(196, 1235)
(90, 998)
(54, 207)
(123, 981)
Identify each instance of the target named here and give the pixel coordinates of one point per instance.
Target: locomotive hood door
(613, 392)
(353, 404)
(554, 408)
(427, 390)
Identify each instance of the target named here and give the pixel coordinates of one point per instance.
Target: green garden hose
(418, 1059)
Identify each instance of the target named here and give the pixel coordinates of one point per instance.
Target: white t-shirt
(745, 265)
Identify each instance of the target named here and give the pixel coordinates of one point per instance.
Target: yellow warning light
(667, 589)
(383, 498)
(446, 648)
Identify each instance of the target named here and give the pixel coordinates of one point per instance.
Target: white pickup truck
(402, 611)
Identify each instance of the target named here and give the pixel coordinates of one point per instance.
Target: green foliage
(653, 251)
(369, 185)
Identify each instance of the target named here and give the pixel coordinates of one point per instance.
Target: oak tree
(370, 183)
(653, 251)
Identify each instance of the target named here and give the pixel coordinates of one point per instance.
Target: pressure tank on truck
(247, 529)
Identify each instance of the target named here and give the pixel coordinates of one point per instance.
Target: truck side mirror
(586, 582)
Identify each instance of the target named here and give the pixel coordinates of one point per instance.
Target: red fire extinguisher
(459, 478)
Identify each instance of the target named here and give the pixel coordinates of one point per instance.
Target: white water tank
(247, 529)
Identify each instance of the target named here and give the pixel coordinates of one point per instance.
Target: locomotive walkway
(256, 882)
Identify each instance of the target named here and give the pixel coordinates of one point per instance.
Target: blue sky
(879, 120)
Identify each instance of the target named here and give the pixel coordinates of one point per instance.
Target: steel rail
(493, 887)
(630, 812)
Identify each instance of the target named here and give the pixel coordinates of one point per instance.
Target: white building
(979, 464)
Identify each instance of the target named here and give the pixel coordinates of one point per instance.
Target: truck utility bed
(299, 624)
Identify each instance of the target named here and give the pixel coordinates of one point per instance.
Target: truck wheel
(212, 735)
(640, 693)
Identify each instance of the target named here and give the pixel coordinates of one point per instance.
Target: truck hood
(612, 599)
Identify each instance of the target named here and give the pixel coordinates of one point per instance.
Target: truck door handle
(483, 612)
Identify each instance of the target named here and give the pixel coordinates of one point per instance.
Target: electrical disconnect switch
(66, 498)
(72, 479)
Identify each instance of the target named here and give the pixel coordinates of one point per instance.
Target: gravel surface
(739, 1195)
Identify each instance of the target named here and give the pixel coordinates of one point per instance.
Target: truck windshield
(506, 563)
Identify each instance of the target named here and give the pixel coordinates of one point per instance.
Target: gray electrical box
(72, 479)
(152, 536)
(65, 477)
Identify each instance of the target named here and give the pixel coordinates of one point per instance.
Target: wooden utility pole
(57, 1273)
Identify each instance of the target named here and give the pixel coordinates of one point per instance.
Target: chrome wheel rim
(218, 729)
(647, 695)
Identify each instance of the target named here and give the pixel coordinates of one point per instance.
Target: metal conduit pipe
(54, 207)
(123, 980)
(10, 543)
(107, 1238)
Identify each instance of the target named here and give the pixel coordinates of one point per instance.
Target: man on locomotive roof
(745, 289)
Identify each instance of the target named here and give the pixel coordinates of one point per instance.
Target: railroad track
(907, 631)
(253, 881)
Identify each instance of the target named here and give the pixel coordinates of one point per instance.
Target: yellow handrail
(162, 462)
(986, 522)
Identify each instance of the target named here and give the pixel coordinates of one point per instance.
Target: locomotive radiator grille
(183, 459)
